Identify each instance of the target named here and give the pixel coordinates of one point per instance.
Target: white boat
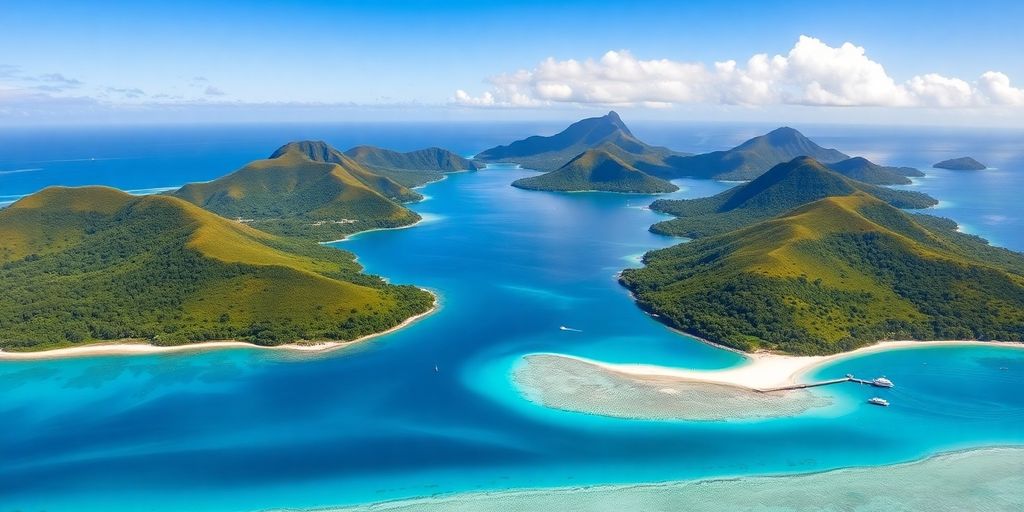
(882, 382)
(878, 401)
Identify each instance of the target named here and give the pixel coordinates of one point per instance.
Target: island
(964, 163)
(753, 157)
(306, 189)
(82, 265)
(413, 168)
(862, 169)
(597, 170)
(784, 187)
(607, 132)
(744, 162)
(830, 275)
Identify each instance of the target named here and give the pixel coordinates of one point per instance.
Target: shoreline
(765, 370)
(130, 348)
(424, 218)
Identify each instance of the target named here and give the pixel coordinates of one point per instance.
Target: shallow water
(976, 480)
(570, 384)
(247, 429)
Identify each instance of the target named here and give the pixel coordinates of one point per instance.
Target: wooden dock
(848, 378)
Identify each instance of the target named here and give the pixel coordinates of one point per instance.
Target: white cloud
(811, 73)
(213, 91)
(996, 87)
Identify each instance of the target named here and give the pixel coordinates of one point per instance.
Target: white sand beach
(140, 347)
(765, 370)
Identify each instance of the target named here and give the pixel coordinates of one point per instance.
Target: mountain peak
(802, 176)
(755, 156)
(315, 150)
(612, 118)
(548, 153)
(783, 134)
(597, 169)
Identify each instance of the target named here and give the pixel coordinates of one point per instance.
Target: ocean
(432, 409)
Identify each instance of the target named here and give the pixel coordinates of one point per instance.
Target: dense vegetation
(597, 169)
(832, 275)
(88, 264)
(298, 193)
(782, 188)
(862, 169)
(964, 163)
(607, 132)
(753, 157)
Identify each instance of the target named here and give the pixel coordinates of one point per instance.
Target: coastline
(764, 370)
(424, 218)
(130, 348)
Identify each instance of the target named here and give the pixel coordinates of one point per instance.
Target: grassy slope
(93, 263)
(832, 275)
(596, 170)
(295, 196)
(782, 188)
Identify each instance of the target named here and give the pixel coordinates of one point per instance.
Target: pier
(848, 378)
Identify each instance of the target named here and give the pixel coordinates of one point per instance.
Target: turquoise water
(248, 429)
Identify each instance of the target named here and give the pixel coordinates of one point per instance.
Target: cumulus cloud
(213, 91)
(811, 73)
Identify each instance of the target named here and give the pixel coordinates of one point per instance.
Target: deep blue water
(248, 429)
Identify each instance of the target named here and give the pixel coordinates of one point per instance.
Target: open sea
(249, 429)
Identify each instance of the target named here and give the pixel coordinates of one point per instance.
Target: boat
(878, 401)
(882, 382)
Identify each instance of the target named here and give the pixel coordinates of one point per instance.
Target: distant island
(607, 132)
(597, 170)
(784, 187)
(753, 157)
(862, 169)
(411, 169)
(841, 270)
(306, 189)
(89, 264)
(964, 163)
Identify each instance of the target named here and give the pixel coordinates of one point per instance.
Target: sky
(908, 62)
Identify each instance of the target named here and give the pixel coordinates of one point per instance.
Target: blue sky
(136, 62)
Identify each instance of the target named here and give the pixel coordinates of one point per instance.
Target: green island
(862, 169)
(559, 155)
(782, 188)
(81, 265)
(964, 163)
(412, 169)
(753, 157)
(607, 132)
(830, 275)
(309, 190)
(597, 170)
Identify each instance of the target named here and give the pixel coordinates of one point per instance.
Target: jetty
(880, 382)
